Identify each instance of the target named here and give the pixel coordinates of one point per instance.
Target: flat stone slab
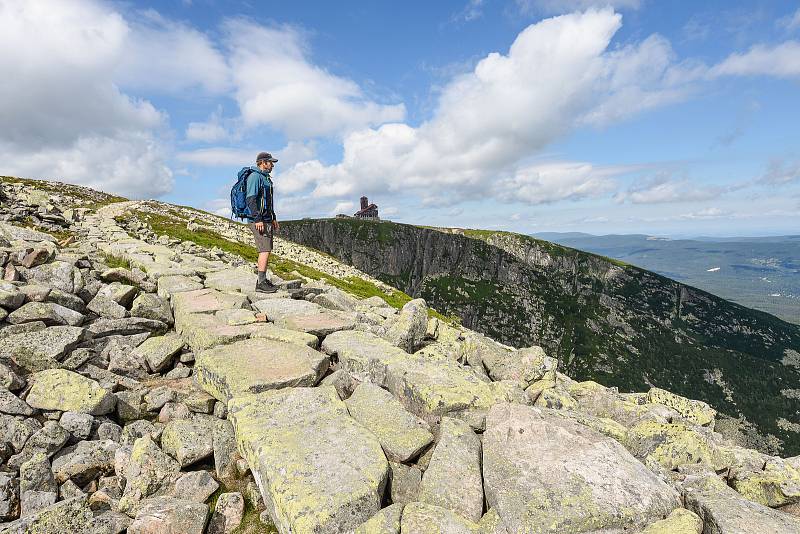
(169, 285)
(159, 351)
(429, 388)
(543, 473)
(304, 316)
(422, 518)
(203, 301)
(276, 333)
(41, 349)
(240, 279)
(453, 477)
(256, 365)
(66, 391)
(401, 434)
(318, 470)
(202, 331)
(722, 508)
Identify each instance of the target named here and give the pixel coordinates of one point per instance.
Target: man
(263, 224)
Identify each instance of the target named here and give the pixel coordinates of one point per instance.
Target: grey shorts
(263, 241)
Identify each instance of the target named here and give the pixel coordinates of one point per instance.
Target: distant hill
(757, 272)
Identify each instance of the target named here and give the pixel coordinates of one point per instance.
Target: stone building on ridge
(367, 211)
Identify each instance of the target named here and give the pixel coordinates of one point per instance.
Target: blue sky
(621, 116)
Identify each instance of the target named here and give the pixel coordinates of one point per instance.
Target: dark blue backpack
(239, 195)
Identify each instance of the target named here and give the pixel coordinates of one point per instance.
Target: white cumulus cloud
(278, 85)
(782, 61)
(557, 75)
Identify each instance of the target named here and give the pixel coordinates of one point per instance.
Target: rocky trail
(154, 397)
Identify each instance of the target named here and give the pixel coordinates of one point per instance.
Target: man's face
(266, 166)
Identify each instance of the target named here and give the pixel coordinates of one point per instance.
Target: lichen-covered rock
(680, 521)
(276, 333)
(544, 472)
(59, 389)
(9, 497)
(387, 521)
(404, 482)
(159, 351)
(227, 514)
(401, 434)
(336, 299)
(255, 365)
(428, 388)
(674, 444)
(77, 424)
(13, 405)
(318, 470)
(171, 284)
(169, 515)
(16, 430)
(148, 471)
(342, 381)
(125, 327)
(724, 511)
(525, 365)
(422, 518)
(70, 515)
(58, 275)
(408, 330)
(186, 303)
(491, 523)
(195, 486)
(697, 412)
(453, 477)
(88, 461)
(187, 441)
(42, 348)
(105, 307)
(48, 440)
(152, 306)
(777, 484)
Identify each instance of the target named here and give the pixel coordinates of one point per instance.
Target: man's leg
(263, 258)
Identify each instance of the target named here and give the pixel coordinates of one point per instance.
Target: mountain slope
(604, 320)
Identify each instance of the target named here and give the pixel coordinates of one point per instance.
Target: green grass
(88, 201)
(115, 261)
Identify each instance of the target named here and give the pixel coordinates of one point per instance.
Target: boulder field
(166, 396)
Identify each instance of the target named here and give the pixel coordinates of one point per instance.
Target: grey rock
(37, 475)
(126, 363)
(148, 471)
(228, 514)
(105, 307)
(110, 522)
(69, 489)
(724, 511)
(342, 381)
(59, 389)
(180, 371)
(41, 349)
(404, 483)
(168, 514)
(67, 300)
(32, 501)
(423, 518)
(9, 379)
(401, 434)
(57, 275)
(152, 306)
(157, 397)
(11, 299)
(9, 497)
(109, 430)
(17, 430)
(137, 429)
(188, 441)
(225, 452)
(122, 294)
(408, 330)
(77, 424)
(48, 440)
(196, 486)
(339, 488)
(387, 521)
(159, 351)
(542, 469)
(125, 327)
(13, 405)
(173, 411)
(35, 293)
(47, 312)
(129, 405)
(453, 477)
(88, 460)
(70, 515)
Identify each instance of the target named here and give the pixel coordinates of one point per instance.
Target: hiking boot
(266, 287)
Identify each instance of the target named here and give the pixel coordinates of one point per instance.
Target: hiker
(261, 220)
